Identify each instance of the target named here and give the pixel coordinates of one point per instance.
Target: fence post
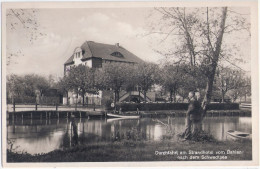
(56, 107)
(94, 107)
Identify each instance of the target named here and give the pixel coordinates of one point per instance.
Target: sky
(66, 29)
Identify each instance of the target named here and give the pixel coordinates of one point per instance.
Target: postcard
(137, 84)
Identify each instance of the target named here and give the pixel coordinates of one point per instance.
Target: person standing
(193, 116)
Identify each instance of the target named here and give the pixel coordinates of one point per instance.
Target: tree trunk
(215, 57)
(171, 95)
(139, 97)
(174, 95)
(207, 96)
(223, 96)
(83, 99)
(145, 96)
(67, 93)
(115, 97)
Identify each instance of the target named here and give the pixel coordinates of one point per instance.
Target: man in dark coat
(193, 116)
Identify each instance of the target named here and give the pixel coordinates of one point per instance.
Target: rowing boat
(122, 116)
(238, 134)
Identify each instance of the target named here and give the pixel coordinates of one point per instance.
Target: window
(117, 54)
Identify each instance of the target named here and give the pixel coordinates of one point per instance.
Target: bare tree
(81, 80)
(113, 76)
(229, 79)
(25, 20)
(197, 38)
(144, 76)
(171, 78)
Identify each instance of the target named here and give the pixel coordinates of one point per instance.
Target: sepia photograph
(129, 82)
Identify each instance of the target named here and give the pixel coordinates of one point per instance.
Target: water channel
(43, 136)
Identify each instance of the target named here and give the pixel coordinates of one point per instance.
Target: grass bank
(143, 151)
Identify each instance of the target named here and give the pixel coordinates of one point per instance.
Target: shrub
(223, 106)
(172, 106)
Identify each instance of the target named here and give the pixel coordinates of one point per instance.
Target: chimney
(117, 44)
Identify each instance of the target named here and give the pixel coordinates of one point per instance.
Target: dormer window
(78, 53)
(117, 54)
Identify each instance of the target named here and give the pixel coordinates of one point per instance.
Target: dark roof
(69, 61)
(99, 50)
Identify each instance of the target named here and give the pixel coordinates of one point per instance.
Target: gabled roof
(99, 50)
(70, 60)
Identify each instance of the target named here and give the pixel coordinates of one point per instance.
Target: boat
(123, 116)
(111, 120)
(238, 134)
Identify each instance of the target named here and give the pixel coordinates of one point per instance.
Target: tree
(81, 80)
(200, 33)
(197, 39)
(33, 82)
(144, 76)
(247, 87)
(64, 86)
(243, 90)
(25, 20)
(193, 80)
(14, 87)
(114, 76)
(171, 78)
(229, 79)
(23, 87)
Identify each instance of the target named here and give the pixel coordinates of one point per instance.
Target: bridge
(134, 93)
(247, 106)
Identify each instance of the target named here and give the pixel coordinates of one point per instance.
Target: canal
(36, 136)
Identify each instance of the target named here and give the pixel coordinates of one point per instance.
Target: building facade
(94, 55)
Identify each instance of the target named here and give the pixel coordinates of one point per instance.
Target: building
(93, 55)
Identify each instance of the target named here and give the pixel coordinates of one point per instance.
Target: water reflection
(42, 136)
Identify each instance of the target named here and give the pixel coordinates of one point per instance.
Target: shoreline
(49, 114)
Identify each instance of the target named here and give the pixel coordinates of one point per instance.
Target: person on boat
(193, 116)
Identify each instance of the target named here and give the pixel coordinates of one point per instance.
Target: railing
(37, 107)
(245, 105)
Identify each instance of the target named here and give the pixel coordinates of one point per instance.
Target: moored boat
(238, 134)
(123, 116)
